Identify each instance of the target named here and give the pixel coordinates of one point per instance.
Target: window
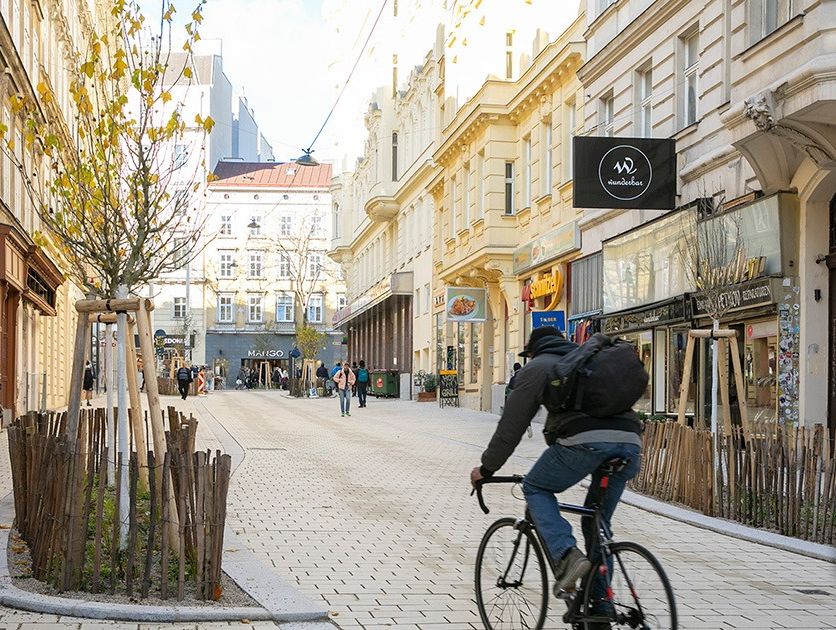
(284, 307)
(765, 16)
(509, 188)
(604, 4)
(225, 264)
(453, 207)
(316, 225)
(315, 309)
(509, 55)
(570, 120)
(466, 196)
(254, 309)
(645, 97)
(255, 225)
(341, 301)
(547, 156)
(179, 307)
(336, 220)
(180, 252)
(226, 225)
(395, 156)
(284, 266)
(426, 298)
(180, 155)
(605, 114)
(286, 225)
(527, 172)
(394, 76)
(255, 267)
(225, 309)
(690, 73)
(314, 265)
(480, 185)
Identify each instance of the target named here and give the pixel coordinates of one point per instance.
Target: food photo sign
(466, 304)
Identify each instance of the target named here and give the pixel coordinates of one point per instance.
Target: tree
(109, 186)
(714, 262)
(107, 183)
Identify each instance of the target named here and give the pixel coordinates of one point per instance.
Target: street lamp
(253, 225)
(306, 159)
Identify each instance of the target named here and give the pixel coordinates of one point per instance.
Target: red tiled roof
(271, 175)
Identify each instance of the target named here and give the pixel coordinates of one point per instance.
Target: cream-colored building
(37, 320)
(383, 225)
(746, 89)
(506, 187)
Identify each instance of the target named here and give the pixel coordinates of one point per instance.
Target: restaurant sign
(563, 240)
(741, 296)
(466, 304)
(549, 285)
(644, 319)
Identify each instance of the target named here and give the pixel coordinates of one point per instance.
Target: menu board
(448, 388)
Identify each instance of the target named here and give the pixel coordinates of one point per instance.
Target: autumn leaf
(187, 72)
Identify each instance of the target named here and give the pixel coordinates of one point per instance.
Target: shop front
(586, 297)
(378, 326)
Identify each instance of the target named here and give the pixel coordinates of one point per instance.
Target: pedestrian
(354, 369)
(322, 378)
(344, 380)
(509, 388)
(334, 371)
(276, 377)
(184, 380)
(362, 383)
(242, 377)
(285, 379)
(87, 385)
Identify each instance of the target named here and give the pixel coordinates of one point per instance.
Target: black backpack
(184, 374)
(603, 377)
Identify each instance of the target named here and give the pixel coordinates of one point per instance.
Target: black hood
(553, 345)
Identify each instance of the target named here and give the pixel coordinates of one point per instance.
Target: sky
(282, 55)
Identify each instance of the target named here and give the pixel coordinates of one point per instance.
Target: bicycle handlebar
(478, 487)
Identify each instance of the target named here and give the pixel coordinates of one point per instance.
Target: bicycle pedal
(566, 596)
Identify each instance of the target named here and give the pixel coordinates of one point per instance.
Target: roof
(271, 175)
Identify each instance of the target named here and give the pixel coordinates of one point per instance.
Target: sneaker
(348, 414)
(573, 566)
(342, 415)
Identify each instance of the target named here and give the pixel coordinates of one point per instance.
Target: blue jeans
(561, 467)
(345, 399)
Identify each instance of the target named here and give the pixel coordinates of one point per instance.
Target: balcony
(381, 209)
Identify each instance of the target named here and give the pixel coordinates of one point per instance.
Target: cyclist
(578, 445)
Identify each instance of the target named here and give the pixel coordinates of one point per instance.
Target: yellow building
(37, 317)
(504, 214)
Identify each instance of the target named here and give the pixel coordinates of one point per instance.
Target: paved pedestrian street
(372, 514)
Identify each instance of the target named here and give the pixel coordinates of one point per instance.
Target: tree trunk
(715, 365)
(124, 431)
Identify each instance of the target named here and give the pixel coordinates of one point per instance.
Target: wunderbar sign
(629, 173)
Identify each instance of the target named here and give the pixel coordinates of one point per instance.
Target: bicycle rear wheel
(642, 596)
(512, 590)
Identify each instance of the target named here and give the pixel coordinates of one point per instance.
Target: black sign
(448, 388)
(626, 173)
(644, 319)
(740, 296)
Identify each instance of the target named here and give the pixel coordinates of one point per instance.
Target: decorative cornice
(381, 209)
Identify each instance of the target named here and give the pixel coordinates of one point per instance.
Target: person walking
(354, 369)
(345, 380)
(512, 381)
(184, 379)
(276, 378)
(362, 383)
(322, 379)
(87, 384)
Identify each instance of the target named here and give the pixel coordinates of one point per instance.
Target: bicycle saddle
(614, 465)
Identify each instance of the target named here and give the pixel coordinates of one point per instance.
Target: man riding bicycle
(578, 445)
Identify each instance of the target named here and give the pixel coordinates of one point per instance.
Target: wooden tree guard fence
(781, 479)
(79, 549)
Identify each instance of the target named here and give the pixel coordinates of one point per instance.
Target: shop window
(760, 371)
(643, 342)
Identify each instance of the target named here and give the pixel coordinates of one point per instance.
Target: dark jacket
(567, 427)
(184, 374)
(322, 372)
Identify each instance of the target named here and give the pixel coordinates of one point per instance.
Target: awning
(400, 283)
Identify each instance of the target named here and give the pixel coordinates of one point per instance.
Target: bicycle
(609, 596)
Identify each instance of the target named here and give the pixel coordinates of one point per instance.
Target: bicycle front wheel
(642, 596)
(512, 590)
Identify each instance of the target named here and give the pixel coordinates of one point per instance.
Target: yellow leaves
(88, 68)
(16, 103)
(169, 14)
(11, 144)
(208, 124)
(4, 129)
(197, 16)
(211, 177)
(165, 96)
(187, 72)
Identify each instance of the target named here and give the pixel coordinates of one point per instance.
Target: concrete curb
(277, 601)
(730, 528)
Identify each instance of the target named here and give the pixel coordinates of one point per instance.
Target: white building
(266, 267)
(180, 295)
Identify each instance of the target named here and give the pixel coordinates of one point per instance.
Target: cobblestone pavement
(372, 514)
